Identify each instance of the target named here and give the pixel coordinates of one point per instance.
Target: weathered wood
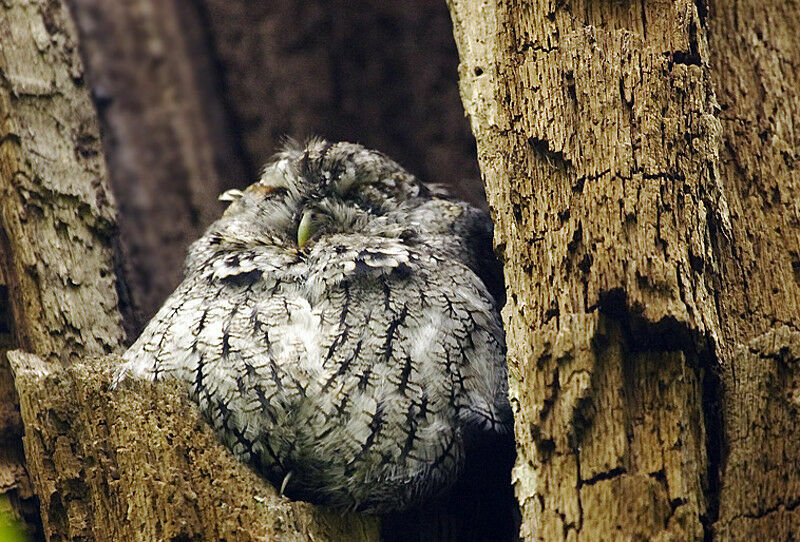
(760, 488)
(756, 70)
(651, 243)
(56, 213)
(139, 463)
(57, 294)
(599, 140)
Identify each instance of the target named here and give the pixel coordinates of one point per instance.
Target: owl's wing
(465, 234)
(168, 342)
(481, 338)
(189, 329)
(477, 230)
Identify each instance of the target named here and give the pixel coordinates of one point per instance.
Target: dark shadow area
(481, 507)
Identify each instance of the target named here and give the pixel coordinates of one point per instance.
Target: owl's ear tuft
(231, 195)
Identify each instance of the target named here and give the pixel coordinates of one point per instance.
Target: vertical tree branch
(57, 210)
(756, 69)
(598, 139)
(57, 295)
(651, 247)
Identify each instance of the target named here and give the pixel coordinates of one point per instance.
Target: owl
(339, 329)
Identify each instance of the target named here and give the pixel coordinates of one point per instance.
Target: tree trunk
(756, 71)
(640, 165)
(56, 217)
(129, 464)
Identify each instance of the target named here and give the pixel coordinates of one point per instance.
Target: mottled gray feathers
(339, 328)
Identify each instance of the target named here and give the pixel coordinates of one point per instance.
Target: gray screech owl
(334, 329)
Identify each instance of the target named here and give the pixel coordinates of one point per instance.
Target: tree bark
(56, 217)
(649, 234)
(140, 463)
(756, 71)
(104, 465)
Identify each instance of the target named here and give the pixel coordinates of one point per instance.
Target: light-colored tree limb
(640, 163)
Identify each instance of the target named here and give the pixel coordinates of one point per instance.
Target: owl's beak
(306, 229)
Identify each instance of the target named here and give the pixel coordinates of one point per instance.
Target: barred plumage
(334, 328)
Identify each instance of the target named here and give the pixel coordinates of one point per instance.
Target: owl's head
(324, 188)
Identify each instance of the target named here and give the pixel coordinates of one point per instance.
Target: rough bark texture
(651, 252)
(756, 70)
(139, 463)
(101, 464)
(379, 73)
(56, 219)
(641, 164)
(57, 210)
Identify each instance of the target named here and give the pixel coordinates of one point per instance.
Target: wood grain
(140, 463)
(640, 162)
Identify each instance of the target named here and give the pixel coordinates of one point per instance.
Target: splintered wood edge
(25, 366)
(139, 463)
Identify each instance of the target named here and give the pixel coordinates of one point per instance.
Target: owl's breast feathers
(353, 372)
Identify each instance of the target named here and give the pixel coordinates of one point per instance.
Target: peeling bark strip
(646, 244)
(137, 463)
